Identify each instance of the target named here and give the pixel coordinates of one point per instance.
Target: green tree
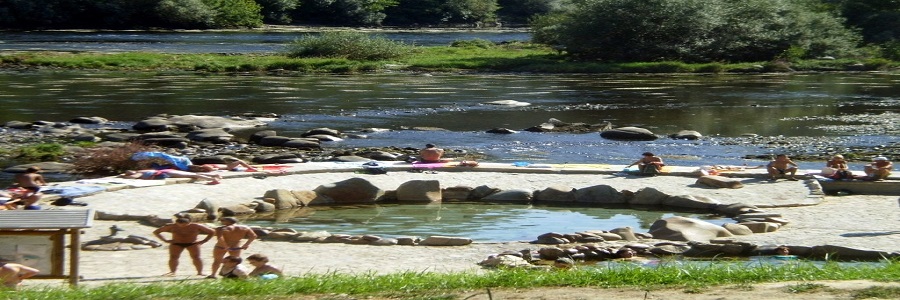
(694, 30)
(236, 13)
(277, 11)
(442, 12)
(344, 12)
(520, 12)
(185, 14)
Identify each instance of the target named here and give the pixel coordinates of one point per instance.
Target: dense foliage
(349, 45)
(695, 30)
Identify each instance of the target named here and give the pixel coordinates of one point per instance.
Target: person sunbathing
(171, 173)
(237, 165)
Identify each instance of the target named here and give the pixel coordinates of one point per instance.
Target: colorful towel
(421, 165)
(274, 168)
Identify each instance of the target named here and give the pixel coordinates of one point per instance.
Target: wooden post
(75, 252)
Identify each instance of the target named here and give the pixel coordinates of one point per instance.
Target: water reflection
(478, 221)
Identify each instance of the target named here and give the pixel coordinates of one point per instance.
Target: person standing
(12, 274)
(879, 169)
(431, 154)
(649, 164)
(228, 242)
(184, 236)
(782, 166)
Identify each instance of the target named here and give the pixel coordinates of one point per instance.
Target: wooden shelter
(37, 238)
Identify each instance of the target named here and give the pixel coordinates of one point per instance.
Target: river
(838, 110)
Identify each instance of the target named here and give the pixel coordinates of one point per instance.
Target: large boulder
(648, 196)
(419, 190)
(686, 229)
(686, 135)
(353, 190)
(282, 199)
(514, 196)
(556, 194)
(602, 194)
(628, 134)
(456, 193)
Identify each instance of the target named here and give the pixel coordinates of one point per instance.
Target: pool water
(479, 221)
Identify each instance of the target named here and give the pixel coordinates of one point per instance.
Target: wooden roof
(46, 219)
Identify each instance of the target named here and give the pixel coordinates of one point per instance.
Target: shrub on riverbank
(690, 277)
(349, 45)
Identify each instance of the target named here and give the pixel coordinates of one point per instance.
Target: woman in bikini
(261, 266)
(232, 268)
(173, 173)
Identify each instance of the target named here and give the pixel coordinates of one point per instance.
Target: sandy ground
(861, 221)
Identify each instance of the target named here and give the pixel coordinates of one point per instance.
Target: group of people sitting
(879, 169)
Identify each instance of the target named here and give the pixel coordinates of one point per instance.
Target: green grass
(465, 56)
(692, 279)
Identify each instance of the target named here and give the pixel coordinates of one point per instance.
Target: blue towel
(73, 190)
(181, 162)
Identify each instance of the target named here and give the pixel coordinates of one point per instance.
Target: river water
(849, 110)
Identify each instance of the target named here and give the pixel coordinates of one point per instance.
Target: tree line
(210, 14)
(610, 30)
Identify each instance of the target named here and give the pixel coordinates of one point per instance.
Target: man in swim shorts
(31, 182)
(184, 236)
(431, 154)
(782, 166)
(229, 238)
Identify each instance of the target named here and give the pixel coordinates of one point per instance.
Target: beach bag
(373, 168)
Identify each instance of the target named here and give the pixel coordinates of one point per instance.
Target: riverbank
(857, 221)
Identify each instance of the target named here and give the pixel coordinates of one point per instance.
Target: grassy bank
(691, 279)
(501, 58)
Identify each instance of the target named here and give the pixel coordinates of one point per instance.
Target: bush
(40, 152)
(349, 45)
(111, 160)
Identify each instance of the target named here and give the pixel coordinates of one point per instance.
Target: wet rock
(273, 140)
(626, 233)
(89, 120)
(686, 135)
(514, 196)
(501, 130)
(628, 134)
